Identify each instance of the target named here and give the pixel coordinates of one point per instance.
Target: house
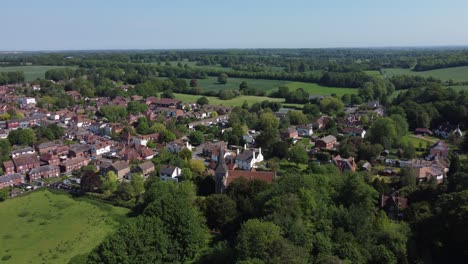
(26, 162)
(46, 147)
(224, 177)
(3, 133)
(80, 150)
(354, 132)
(44, 172)
(289, 132)
(423, 132)
(165, 102)
(248, 159)
(305, 130)
(429, 173)
(72, 164)
(12, 179)
(439, 149)
(177, 145)
(146, 168)
(327, 142)
(23, 151)
(50, 159)
(74, 94)
(8, 167)
(27, 100)
(393, 204)
(344, 164)
(170, 173)
(36, 87)
(366, 166)
(120, 168)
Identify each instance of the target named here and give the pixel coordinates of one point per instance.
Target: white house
(354, 132)
(142, 141)
(27, 100)
(170, 173)
(305, 130)
(248, 159)
(101, 148)
(177, 145)
(36, 87)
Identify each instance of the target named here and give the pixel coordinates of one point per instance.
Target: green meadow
(238, 101)
(457, 74)
(49, 227)
(31, 73)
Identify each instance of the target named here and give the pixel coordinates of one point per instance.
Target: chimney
(253, 154)
(245, 146)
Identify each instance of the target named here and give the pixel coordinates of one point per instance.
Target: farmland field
(317, 89)
(457, 74)
(48, 227)
(31, 73)
(238, 101)
(211, 83)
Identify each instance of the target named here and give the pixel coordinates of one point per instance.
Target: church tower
(221, 172)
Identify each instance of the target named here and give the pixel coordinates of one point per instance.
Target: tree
(185, 154)
(90, 181)
(263, 241)
(222, 78)
(203, 101)
(297, 118)
(135, 107)
(384, 132)
(109, 183)
(137, 182)
(408, 177)
(196, 138)
(4, 194)
(298, 154)
(220, 210)
(331, 105)
(401, 124)
(139, 240)
(173, 204)
(193, 83)
(5, 149)
(22, 136)
(197, 166)
(268, 120)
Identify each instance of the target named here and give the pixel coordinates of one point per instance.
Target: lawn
(238, 101)
(49, 227)
(418, 140)
(457, 74)
(317, 89)
(31, 73)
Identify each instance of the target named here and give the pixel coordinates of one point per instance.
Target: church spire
(221, 167)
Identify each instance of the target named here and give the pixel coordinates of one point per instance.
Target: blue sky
(180, 24)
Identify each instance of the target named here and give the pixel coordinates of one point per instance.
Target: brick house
(50, 159)
(344, 164)
(44, 172)
(146, 168)
(327, 142)
(8, 167)
(26, 162)
(72, 164)
(121, 168)
(289, 132)
(12, 179)
(439, 149)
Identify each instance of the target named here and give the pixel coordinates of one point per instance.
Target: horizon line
(278, 48)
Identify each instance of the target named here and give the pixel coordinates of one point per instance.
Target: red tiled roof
(267, 176)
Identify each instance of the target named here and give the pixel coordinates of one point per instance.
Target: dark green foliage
(203, 101)
(22, 136)
(50, 132)
(196, 138)
(5, 148)
(219, 210)
(135, 107)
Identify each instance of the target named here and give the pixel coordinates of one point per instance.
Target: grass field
(46, 227)
(31, 73)
(238, 101)
(211, 83)
(418, 140)
(457, 74)
(314, 88)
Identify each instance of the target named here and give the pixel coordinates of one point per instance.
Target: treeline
(439, 62)
(431, 106)
(11, 77)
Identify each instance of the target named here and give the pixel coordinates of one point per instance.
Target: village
(93, 140)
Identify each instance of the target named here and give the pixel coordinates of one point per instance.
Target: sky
(206, 24)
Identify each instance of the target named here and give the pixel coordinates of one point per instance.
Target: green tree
(298, 154)
(5, 149)
(185, 154)
(220, 210)
(135, 107)
(268, 120)
(222, 78)
(197, 166)
(297, 118)
(109, 183)
(196, 138)
(203, 101)
(138, 240)
(408, 177)
(4, 194)
(22, 136)
(384, 132)
(331, 105)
